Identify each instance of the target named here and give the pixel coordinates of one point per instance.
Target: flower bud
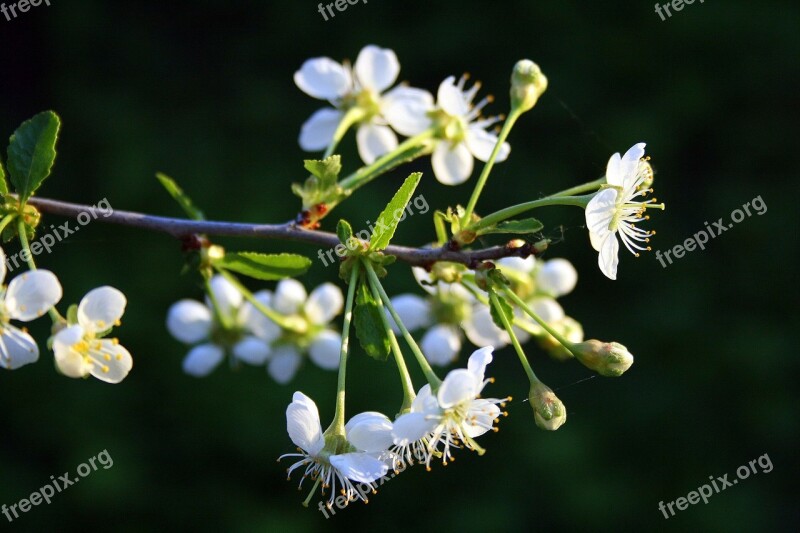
(527, 85)
(548, 411)
(609, 359)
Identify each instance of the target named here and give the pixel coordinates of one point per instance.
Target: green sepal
(321, 188)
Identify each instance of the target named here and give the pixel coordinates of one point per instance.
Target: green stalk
(351, 117)
(522, 305)
(578, 189)
(514, 210)
(6, 221)
(487, 168)
(55, 316)
(517, 347)
(283, 321)
(337, 426)
(430, 375)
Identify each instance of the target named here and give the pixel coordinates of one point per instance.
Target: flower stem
(351, 117)
(55, 316)
(430, 375)
(514, 210)
(578, 189)
(522, 305)
(487, 168)
(510, 330)
(283, 321)
(337, 426)
(6, 221)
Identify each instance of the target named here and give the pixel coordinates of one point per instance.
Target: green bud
(527, 85)
(609, 359)
(548, 411)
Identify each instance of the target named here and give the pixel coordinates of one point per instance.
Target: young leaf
(506, 309)
(369, 325)
(390, 217)
(266, 267)
(3, 183)
(32, 152)
(326, 170)
(344, 231)
(179, 196)
(519, 227)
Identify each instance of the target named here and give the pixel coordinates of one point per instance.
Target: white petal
(101, 308)
(69, 361)
(423, 278)
(376, 68)
(548, 309)
(441, 345)
(202, 360)
(451, 99)
(370, 432)
(414, 312)
(600, 211)
(316, 133)
(3, 267)
(457, 387)
(478, 362)
(325, 350)
(374, 141)
(596, 239)
(116, 367)
(189, 321)
(452, 165)
(481, 329)
(481, 143)
(323, 78)
(283, 364)
(480, 419)
(519, 264)
(425, 402)
(629, 165)
(406, 110)
(252, 351)
(411, 427)
(32, 294)
(227, 296)
(359, 467)
(608, 258)
(613, 171)
(324, 303)
(302, 424)
(556, 277)
(289, 297)
(256, 322)
(17, 348)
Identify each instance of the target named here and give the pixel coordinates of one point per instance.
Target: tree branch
(182, 228)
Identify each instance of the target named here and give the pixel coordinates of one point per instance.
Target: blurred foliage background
(203, 91)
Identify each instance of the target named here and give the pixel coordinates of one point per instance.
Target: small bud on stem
(527, 85)
(548, 411)
(609, 359)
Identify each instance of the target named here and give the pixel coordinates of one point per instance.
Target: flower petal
(556, 277)
(411, 427)
(600, 211)
(101, 309)
(519, 264)
(481, 329)
(325, 350)
(68, 361)
(608, 258)
(457, 387)
(302, 424)
(374, 141)
(202, 360)
(451, 99)
(414, 312)
(17, 348)
(32, 294)
(480, 419)
(613, 171)
(289, 297)
(359, 467)
(425, 402)
(323, 78)
(228, 297)
(189, 321)
(481, 143)
(452, 165)
(324, 303)
(116, 365)
(251, 350)
(423, 278)
(629, 165)
(256, 322)
(3, 267)
(406, 110)
(478, 362)
(283, 364)
(316, 133)
(376, 68)
(370, 432)
(441, 344)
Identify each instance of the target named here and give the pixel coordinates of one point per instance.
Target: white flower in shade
(337, 463)
(80, 349)
(195, 323)
(619, 206)
(455, 415)
(363, 86)
(312, 314)
(28, 296)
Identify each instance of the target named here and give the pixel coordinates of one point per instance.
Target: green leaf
(389, 218)
(506, 309)
(32, 152)
(519, 227)
(266, 267)
(179, 196)
(344, 231)
(3, 182)
(327, 170)
(369, 324)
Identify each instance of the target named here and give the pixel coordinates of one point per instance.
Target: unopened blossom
(617, 208)
(364, 86)
(337, 463)
(81, 349)
(27, 297)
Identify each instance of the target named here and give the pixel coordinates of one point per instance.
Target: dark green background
(203, 91)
